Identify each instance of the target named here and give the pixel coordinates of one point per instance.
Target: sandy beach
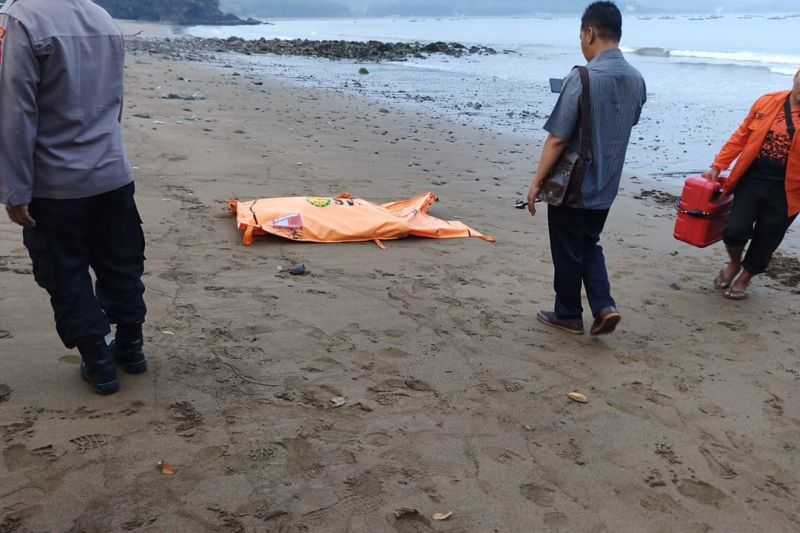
(455, 399)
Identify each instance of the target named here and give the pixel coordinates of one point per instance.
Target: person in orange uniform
(766, 184)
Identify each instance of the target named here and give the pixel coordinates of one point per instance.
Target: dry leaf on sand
(578, 397)
(166, 468)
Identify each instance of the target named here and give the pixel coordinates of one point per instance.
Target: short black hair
(605, 18)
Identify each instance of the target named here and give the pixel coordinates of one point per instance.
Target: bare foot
(738, 290)
(727, 275)
(743, 282)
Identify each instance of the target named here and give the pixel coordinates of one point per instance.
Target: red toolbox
(703, 212)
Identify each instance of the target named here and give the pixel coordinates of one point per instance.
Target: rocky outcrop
(372, 51)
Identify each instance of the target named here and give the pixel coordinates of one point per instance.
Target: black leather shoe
(606, 322)
(130, 356)
(99, 371)
(575, 326)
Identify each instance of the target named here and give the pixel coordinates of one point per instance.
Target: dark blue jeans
(104, 234)
(578, 260)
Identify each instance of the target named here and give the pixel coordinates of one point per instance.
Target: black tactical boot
(128, 349)
(97, 366)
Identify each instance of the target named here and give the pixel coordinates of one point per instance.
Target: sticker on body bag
(291, 222)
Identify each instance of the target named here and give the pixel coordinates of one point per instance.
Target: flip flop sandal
(736, 295)
(720, 284)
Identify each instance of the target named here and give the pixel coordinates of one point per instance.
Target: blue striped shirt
(618, 94)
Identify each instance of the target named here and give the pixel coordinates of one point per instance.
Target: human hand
(712, 174)
(21, 215)
(533, 194)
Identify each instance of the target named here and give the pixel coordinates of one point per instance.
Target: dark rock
(187, 97)
(193, 48)
(298, 270)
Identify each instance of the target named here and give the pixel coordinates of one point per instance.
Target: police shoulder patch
(2, 42)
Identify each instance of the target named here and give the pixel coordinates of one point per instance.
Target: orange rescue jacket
(746, 145)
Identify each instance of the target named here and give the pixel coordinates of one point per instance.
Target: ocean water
(703, 73)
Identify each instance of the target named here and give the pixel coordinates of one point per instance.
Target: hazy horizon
(357, 8)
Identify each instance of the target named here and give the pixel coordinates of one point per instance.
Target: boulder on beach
(652, 52)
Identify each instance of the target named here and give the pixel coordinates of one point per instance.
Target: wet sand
(455, 398)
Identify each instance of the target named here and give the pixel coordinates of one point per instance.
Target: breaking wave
(784, 64)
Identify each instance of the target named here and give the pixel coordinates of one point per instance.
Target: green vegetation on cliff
(173, 11)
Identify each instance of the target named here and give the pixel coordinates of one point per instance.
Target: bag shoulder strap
(787, 108)
(574, 195)
(585, 149)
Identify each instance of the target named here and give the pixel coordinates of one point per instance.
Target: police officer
(65, 176)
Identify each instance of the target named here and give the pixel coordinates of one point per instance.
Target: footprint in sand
(555, 519)
(538, 494)
(701, 492)
(5, 392)
(413, 523)
(87, 443)
(70, 359)
(18, 457)
(662, 503)
(188, 417)
(717, 466)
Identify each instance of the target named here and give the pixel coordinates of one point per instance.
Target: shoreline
(680, 130)
(455, 397)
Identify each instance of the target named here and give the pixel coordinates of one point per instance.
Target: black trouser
(578, 260)
(760, 215)
(103, 233)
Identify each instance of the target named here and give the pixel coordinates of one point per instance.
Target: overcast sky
(421, 7)
(526, 5)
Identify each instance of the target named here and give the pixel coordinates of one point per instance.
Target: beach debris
(441, 517)
(338, 402)
(675, 287)
(146, 116)
(363, 71)
(5, 393)
(661, 198)
(651, 51)
(166, 469)
(404, 513)
(578, 397)
(167, 332)
(186, 97)
(298, 270)
(785, 269)
(5, 334)
(366, 405)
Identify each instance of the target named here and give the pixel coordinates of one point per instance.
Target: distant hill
(289, 8)
(192, 12)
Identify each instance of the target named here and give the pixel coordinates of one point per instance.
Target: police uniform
(62, 153)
